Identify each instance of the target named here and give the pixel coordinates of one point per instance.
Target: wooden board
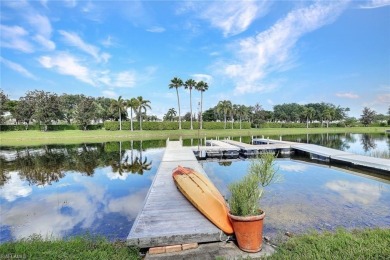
(202, 193)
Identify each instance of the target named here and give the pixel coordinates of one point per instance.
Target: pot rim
(248, 218)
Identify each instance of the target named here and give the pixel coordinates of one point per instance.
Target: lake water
(68, 190)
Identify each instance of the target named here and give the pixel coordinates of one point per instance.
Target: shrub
(49, 127)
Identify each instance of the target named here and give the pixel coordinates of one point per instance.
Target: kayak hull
(204, 196)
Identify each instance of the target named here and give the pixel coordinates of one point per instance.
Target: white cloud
(293, 167)
(15, 188)
(355, 192)
(44, 3)
(205, 77)
(156, 29)
(45, 42)
(73, 39)
(349, 95)
(13, 37)
(67, 64)
(40, 23)
(125, 79)
(375, 4)
(108, 42)
(233, 17)
(109, 93)
(17, 67)
(70, 3)
(383, 99)
(42, 26)
(271, 50)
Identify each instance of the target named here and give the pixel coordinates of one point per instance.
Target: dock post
(267, 139)
(280, 138)
(262, 136)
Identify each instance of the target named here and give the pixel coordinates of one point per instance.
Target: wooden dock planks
(167, 218)
(258, 147)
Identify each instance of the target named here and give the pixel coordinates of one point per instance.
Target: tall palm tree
(202, 87)
(177, 83)
(233, 112)
(241, 111)
(133, 105)
(119, 105)
(189, 84)
(142, 105)
(224, 106)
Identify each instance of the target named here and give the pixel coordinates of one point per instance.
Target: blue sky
(248, 51)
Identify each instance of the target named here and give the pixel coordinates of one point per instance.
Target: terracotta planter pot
(248, 231)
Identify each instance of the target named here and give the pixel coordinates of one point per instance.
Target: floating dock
(321, 153)
(167, 217)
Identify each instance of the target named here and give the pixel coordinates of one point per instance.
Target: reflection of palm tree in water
(368, 142)
(131, 164)
(139, 166)
(225, 163)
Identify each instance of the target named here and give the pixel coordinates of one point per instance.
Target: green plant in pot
(245, 212)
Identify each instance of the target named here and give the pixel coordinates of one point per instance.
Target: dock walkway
(335, 155)
(258, 147)
(167, 218)
(345, 157)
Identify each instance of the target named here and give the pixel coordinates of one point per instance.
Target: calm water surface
(68, 190)
(61, 191)
(310, 196)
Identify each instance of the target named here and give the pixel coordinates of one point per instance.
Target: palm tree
(308, 113)
(202, 87)
(224, 106)
(177, 83)
(328, 115)
(233, 112)
(142, 105)
(133, 105)
(189, 84)
(170, 114)
(119, 105)
(241, 111)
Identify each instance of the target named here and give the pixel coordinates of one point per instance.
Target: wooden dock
(260, 147)
(329, 154)
(344, 157)
(167, 218)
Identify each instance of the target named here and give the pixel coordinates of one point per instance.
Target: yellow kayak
(202, 193)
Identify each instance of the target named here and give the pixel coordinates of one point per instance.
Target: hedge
(49, 127)
(166, 125)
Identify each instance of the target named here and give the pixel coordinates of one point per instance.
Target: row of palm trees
(201, 86)
(135, 104)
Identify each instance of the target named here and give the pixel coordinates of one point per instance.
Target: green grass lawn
(23, 138)
(362, 244)
(82, 248)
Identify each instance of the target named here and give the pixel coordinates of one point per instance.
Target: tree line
(45, 108)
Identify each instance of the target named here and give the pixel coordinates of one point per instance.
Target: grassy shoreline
(27, 138)
(342, 244)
